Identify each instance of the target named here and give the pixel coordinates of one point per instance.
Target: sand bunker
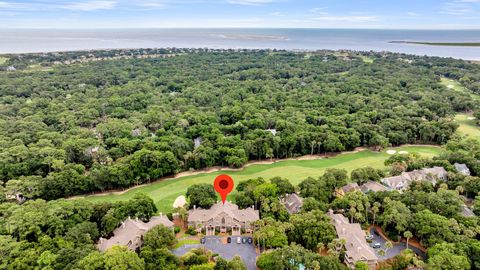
(403, 152)
(391, 152)
(180, 201)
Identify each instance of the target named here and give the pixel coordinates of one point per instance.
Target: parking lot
(397, 247)
(227, 251)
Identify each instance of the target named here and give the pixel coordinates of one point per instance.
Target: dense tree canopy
(82, 127)
(115, 123)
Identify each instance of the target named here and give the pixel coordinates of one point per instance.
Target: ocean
(49, 40)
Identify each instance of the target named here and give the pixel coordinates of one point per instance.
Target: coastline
(449, 44)
(25, 40)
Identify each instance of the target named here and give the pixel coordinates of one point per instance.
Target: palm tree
(407, 235)
(381, 252)
(388, 245)
(320, 247)
(312, 144)
(336, 246)
(367, 206)
(375, 209)
(460, 190)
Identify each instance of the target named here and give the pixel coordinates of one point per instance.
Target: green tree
(361, 266)
(120, 258)
(311, 228)
(363, 175)
(201, 195)
(444, 256)
(407, 235)
(159, 259)
(159, 237)
(283, 185)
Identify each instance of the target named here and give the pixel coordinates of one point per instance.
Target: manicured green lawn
(3, 60)
(37, 67)
(467, 126)
(366, 59)
(187, 241)
(452, 84)
(165, 192)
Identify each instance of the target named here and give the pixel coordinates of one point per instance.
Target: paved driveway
(227, 251)
(397, 247)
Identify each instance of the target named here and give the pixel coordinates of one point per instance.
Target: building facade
(130, 232)
(356, 247)
(403, 181)
(292, 202)
(223, 218)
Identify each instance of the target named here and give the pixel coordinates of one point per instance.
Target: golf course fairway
(166, 191)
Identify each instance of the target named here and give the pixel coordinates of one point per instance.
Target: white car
(239, 240)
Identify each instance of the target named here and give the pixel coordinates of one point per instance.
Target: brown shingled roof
(130, 232)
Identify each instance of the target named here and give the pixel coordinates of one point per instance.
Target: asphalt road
(227, 251)
(397, 247)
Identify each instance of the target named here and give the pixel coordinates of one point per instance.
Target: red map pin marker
(223, 185)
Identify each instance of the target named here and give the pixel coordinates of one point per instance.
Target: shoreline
(255, 48)
(426, 43)
(248, 164)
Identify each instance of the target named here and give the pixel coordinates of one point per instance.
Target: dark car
(250, 240)
(244, 240)
(202, 240)
(229, 239)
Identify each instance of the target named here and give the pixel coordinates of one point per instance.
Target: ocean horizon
(52, 40)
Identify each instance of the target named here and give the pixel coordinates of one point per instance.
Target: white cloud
(413, 14)
(460, 7)
(250, 2)
(90, 5)
(16, 6)
(319, 11)
(347, 18)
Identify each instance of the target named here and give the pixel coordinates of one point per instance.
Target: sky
(383, 14)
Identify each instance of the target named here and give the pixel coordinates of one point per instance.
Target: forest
(71, 127)
(95, 126)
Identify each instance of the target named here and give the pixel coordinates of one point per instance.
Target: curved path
(166, 190)
(248, 164)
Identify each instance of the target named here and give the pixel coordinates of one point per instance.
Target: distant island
(460, 44)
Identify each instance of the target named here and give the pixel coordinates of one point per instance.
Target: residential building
(292, 202)
(273, 131)
(130, 232)
(466, 211)
(356, 246)
(401, 182)
(223, 217)
(352, 187)
(462, 168)
(372, 186)
(197, 142)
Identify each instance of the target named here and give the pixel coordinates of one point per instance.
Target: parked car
(202, 240)
(239, 240)
(377, 245)
(250, 240)
(229, 239)
(244, 240)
